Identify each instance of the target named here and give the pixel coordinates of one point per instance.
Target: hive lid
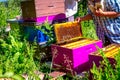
(67, 31)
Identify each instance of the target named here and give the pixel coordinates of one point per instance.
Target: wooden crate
(40, 10)
(70, 54)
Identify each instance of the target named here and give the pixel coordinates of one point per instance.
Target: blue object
(41, 38)
(30, 33)
(35, 35)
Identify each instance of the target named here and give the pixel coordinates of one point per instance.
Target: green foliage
(47, 29)
(107, 71)
(8, 10)
(3, 15)
(45, 68)
(10, 74)
(88, 27)
(17, 56)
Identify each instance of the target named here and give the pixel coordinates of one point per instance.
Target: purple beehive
(70, 54)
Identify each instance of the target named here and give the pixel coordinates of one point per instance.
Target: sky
(3, 0)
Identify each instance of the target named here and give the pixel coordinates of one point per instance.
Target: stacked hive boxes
(35, 13)
(40, 10)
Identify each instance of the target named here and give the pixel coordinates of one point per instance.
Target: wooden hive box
(70, 54)
(109, 51)
(41, 10)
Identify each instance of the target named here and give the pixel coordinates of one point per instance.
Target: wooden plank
(50, 12)
(47, 5)
(47, 1)
(56, 74)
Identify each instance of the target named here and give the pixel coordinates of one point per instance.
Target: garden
(24, 59)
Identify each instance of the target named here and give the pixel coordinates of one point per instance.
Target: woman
(106, 17)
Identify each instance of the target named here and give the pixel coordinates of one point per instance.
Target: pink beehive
(70, 54)
(41, 10)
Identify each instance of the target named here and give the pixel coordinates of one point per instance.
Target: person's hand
(77, 0)
(99, 12)
(18, 17)
(78, 19)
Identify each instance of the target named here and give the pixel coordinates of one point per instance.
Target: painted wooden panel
(73, 60)
(49, 11)
(33, 9)
(47, 1)
(109, 51)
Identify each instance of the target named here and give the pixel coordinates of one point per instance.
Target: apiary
(42, 10)
(70, 53)
(109, 51)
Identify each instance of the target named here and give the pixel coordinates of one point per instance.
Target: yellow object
(81, 44)
(67, 31)
(110, 50)
(92, 8)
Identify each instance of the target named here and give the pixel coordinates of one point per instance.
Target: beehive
(70, 54)
(109, 51)
(41, 10)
